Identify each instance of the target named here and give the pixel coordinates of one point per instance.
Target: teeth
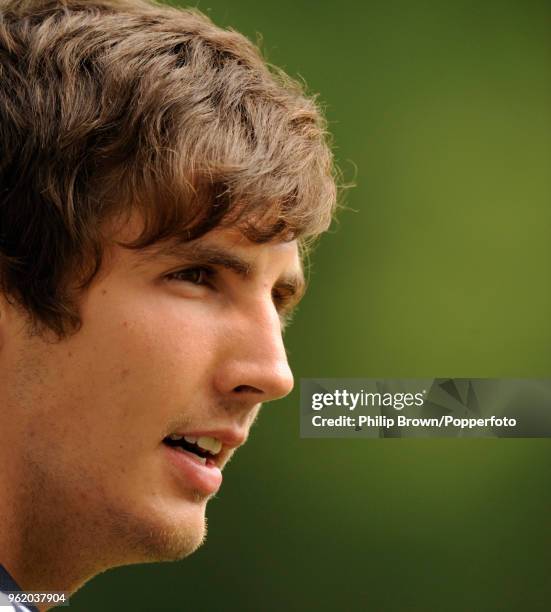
(175, 437)
(203, 460)
(211, 444)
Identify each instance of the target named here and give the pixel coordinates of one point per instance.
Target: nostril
(246, 389)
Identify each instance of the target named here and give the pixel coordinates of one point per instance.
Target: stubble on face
(69, 525)
(59, 524)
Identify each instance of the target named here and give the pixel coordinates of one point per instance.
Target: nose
(254, 366)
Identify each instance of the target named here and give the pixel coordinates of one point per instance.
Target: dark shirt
(7, 583)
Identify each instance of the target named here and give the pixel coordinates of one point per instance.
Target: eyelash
(278, 298)
(280, 302)
(205, 275)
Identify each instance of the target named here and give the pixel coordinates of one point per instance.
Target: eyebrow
(292, 286)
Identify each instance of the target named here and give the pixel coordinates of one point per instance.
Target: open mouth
(205, 449)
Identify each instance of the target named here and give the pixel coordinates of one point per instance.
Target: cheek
(118, 382)
(156, 350)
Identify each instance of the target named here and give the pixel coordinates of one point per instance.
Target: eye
(278, 299)
(197, 275)
(283, 307)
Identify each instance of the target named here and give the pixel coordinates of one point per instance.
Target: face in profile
(129, 422)
(126, 122)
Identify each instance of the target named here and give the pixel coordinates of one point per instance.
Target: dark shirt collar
(7, 583)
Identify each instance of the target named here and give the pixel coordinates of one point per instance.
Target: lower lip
(206, 478)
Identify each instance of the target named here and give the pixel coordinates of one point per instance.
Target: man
(158, 184)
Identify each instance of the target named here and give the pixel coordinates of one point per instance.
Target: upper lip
(231, 438)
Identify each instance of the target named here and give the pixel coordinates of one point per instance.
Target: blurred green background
(441, 114)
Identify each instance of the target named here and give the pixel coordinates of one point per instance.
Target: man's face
(186, 342)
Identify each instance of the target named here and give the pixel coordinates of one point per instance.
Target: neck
(41, 543)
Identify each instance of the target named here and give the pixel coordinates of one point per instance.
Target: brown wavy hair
(111, 107)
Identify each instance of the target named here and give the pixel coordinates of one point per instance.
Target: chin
(162, 536)
(173, 545)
